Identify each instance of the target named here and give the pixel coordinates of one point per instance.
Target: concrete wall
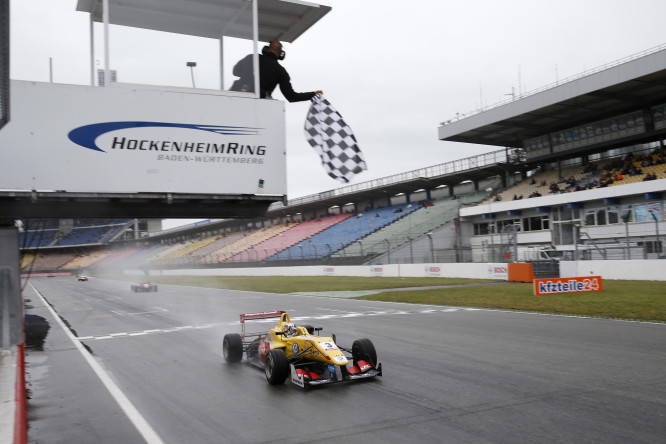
(641, 270)
(649, 270)
(471, 271)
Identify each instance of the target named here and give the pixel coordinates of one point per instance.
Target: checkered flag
(333, 140)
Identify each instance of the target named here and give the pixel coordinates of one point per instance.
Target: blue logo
(86, 135)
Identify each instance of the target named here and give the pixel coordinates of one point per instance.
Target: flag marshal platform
(153, 151)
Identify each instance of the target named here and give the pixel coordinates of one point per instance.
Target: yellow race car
(288, 350)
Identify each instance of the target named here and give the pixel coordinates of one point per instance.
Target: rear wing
(261, 315)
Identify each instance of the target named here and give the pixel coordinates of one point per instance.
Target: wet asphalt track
(450, 375)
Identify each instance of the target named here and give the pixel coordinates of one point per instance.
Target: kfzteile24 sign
(567, 285)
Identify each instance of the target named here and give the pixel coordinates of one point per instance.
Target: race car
(82, 278)
(287, 350)
(144, 286)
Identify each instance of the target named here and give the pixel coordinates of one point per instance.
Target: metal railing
(443, 169)
(460, 116)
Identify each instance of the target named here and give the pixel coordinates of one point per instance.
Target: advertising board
(498, 271)
(376, 270)
(127, 140)
(567, 285)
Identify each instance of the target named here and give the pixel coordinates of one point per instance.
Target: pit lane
(450, 374)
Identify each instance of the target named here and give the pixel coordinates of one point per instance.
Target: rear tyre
(364, 350)
(134, 288)
(232, 348)
(276, 367)
(155, 288)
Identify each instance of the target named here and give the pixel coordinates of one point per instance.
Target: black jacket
(271, 74)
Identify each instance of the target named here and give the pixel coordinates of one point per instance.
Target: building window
(640, 213)
(654, 211)
(627, 214)
(481, 229)
(601, 216)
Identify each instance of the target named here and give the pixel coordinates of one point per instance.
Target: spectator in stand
(590, 168)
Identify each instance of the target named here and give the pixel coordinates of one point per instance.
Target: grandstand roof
(285, 20)
(635, 83)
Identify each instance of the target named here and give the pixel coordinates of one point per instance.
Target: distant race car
(81, 278)
(289, 350)
(144, 286)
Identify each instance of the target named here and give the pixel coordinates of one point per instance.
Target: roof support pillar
(222, 63)
(107, 68)
(255, 47)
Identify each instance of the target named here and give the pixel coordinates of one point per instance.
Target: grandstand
(580, 175)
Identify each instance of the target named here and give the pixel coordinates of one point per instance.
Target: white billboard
(121, 139)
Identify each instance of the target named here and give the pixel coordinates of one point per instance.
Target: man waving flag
(333, 140)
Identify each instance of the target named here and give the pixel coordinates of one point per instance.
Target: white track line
(126, 405)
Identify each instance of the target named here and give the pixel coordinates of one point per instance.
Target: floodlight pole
(388, 251)
(656, 227)
(626, 231)
(411, 250)
(192, 65)
(432, 252)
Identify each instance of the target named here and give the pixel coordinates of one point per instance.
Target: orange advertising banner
(567, 285)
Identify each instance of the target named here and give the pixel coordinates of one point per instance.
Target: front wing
(303, 375)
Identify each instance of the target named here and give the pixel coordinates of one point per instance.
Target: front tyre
(232, 348)
(364, 350)
(276, 367)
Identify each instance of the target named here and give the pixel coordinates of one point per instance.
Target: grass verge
(631, 300)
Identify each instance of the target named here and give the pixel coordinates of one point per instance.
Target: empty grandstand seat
(344, 233)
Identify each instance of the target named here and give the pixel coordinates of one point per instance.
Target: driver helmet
(289, 329)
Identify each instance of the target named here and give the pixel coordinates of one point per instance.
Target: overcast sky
(393, 69)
